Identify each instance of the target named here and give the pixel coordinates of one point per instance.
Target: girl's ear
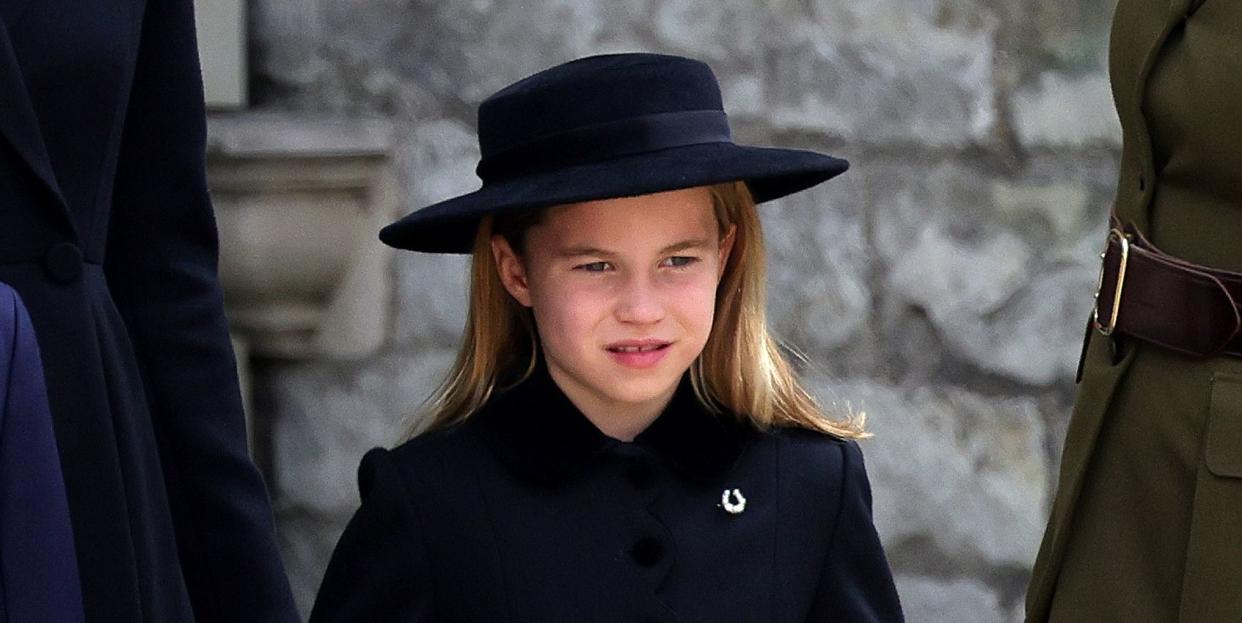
(726, 247)
(512, 273)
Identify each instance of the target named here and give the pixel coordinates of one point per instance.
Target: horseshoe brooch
(733, 501)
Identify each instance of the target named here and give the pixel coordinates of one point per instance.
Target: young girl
(620, 438)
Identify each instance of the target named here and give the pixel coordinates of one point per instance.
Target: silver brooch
(733, 501)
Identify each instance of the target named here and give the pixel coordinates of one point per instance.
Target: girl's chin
(640, 391)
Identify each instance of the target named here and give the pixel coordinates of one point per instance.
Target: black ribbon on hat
(605, 141)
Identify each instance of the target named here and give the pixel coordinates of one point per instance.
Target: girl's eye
(594, 267)
(680, 261)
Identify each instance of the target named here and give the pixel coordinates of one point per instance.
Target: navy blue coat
(526, 512)
(107, 232)
(38, 570)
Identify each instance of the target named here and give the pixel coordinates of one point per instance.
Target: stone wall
(941, 285)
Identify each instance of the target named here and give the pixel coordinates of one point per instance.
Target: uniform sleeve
(856, 584)
(161, 270)
(379, 571)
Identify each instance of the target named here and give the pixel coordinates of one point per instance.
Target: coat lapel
(18, 122)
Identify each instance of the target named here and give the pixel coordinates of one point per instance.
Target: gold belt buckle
(1124, 241)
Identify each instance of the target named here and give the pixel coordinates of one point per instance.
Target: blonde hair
(742, 369)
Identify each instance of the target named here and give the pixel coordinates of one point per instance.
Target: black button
(63, 262)
(647, 551)
(640, 476)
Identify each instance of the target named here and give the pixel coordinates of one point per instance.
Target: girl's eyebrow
(694, 243)
(580, 251)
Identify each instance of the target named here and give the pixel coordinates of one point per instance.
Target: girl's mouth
(639, 354)
(638, 349)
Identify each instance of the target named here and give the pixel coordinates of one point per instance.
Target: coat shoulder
(811, 462)
(436, 458)
(817, 456)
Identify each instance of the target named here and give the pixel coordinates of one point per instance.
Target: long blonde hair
(742, 369)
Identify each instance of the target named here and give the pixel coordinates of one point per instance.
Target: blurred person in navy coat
(38, 570)
(107, 232)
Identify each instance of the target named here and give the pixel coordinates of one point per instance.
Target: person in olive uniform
(1147, 520)
(620, 438)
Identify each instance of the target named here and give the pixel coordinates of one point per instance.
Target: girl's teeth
(635, 349)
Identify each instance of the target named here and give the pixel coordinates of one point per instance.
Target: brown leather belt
(1155, 297)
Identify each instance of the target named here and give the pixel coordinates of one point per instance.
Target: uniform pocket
(1213, 563)
(1223, 454)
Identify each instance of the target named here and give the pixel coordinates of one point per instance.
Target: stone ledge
(298, 204)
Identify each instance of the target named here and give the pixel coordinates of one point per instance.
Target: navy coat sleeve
(379, 571)
(856, 583)
(38, 567)
(161, 270)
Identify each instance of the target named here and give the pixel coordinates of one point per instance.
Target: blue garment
(38, 569)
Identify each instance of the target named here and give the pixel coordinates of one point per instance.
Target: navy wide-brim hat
(604, 127)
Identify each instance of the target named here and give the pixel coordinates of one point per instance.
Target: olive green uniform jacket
(1147, 520)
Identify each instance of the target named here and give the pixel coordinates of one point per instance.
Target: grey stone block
(959, 479)
(1001, 263)
(1067, 111)
(880, 73)
(431, 298)
(818, 267)
(327, 417)
(929, 600)
(306, 543)
(438, 159)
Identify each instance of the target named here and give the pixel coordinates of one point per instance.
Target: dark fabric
(38, 569)
(593, 90)
(609, 139)
(107, 232)
(600, 127)
(1146, 525)
(527, 512)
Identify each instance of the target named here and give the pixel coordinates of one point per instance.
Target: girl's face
(623, 293)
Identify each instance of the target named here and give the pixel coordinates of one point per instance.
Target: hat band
(604, 141)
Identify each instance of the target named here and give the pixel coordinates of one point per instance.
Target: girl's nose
(640, 303)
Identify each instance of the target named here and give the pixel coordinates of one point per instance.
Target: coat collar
(18, 122)
(537, 433)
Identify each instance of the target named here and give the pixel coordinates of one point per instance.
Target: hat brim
(450, 226)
